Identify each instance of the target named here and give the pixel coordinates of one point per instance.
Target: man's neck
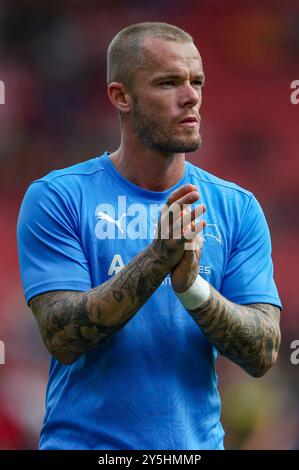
(148, 168)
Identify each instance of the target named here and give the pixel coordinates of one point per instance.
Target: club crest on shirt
(212, 231)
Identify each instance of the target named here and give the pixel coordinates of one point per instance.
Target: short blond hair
(126, 54)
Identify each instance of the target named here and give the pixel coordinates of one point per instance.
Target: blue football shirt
(153, 385)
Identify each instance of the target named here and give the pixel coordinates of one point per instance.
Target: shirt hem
(256, 299)
(50, 286)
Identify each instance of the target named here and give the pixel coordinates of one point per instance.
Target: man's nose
(190, 96)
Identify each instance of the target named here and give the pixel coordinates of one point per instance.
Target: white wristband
(196, 295)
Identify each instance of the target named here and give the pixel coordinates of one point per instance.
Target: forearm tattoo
(249, 335)
(72, 323)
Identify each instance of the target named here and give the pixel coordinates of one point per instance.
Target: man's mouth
(189, 121)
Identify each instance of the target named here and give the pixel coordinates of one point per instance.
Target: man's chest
(114, 233)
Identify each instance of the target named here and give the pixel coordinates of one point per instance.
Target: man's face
(167, 97)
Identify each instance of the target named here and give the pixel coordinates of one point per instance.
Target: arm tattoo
(248, 335)
(72, 323)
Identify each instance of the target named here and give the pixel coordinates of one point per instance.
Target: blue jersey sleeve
(50, 253)
(248, 276)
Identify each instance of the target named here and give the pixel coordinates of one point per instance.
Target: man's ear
(119, 96)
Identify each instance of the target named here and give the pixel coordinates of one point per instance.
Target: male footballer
(140, 267)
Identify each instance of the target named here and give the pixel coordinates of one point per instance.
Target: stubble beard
(152, 135)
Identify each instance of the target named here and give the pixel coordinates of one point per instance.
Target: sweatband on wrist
(196, 295)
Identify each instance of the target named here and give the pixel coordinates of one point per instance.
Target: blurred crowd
(56, 113)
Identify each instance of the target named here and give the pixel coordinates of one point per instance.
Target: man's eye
(168, 83)
(198, 82)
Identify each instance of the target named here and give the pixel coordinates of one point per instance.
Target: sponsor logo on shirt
(117, 265)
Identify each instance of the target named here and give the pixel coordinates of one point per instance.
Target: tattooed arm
(72, 323)
(248, 335)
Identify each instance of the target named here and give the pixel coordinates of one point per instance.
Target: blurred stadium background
(52, 61)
